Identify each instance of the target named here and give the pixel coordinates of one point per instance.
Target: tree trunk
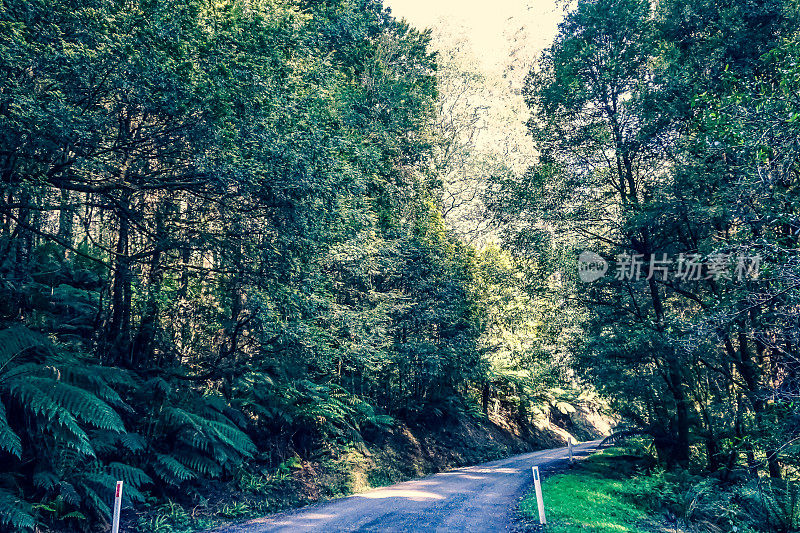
(118, 332)
(65, 229)
(143, 344)
(485, 397)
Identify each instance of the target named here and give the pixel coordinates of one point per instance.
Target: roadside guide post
(539, 501)
(569, 445)
(117, 507)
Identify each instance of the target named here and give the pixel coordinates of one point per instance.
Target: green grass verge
(602, 494)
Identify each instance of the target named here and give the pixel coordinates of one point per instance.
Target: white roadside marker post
(570, 449)
(117, 508)
(539, 501)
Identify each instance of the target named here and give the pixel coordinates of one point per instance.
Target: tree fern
(81, 404)
(131, 475)
(9, 440)
(231, 436)
(206, 440)
(14, 341)
(108, 442)
(63, 421)
(92, 500)
(46, 480)
(202, 465)
(15, 513)
(169, 469)
(45, 412)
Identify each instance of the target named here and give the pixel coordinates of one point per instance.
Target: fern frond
(84, 405)
(14, 512)
(233, 437)
(129, 474)
(99, 478)
(14, 341)
(68, 492)
(103, 441)
(71, 441)
(177, 417)
(201, 464)
(22, 371)
(171, 470)
(9, 441)
(97, 379)
(45, 480)
(215, 402)
(132, 441)
(35, 401)
(94, 502)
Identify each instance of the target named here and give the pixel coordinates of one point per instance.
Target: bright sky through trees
(490, 25)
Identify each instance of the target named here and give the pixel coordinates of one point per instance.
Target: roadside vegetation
(594, 496)
(624, 490)
(667, 134)
(391, 457)
(262, 247)
(223, 262)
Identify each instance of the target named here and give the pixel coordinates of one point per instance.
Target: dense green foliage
(223, 244)
(219, 241)
(623, 489)
(667, 134)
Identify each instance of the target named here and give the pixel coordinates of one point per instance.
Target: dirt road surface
(472, 499)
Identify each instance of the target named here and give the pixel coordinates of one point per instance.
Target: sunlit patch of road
(476, 498)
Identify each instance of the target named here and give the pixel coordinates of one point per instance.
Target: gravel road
(471, 499)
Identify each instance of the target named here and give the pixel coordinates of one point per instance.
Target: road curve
(475, 499)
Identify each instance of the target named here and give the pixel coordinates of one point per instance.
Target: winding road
(474, 499)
